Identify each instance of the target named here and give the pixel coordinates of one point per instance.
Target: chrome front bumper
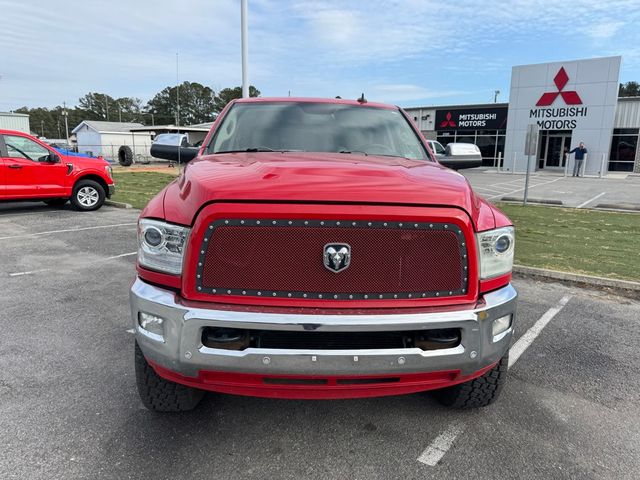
(181, 349)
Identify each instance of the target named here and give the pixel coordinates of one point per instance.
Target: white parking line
(521, 189)
(443, 442)
(120, 256)
(501, 188)
(50, 232)
(31, 272)
(517, 180)
(491, 191)
(589, 201)
(530, 335)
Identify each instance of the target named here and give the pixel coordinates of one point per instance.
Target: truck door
(27, 171)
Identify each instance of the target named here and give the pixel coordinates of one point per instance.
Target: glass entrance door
(557, 150)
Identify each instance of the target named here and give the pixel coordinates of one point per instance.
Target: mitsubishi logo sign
(447, 122)
(570, 97)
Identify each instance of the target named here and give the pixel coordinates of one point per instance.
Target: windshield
(438, 148)
(317, 127)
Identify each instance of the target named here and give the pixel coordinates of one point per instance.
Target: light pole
(245, 48)
(495, 96)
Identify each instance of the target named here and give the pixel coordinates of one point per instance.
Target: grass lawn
(137, 188)
(591, 242)
(606, 244)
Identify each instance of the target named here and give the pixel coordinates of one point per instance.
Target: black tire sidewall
(125, 156)
(88, 183)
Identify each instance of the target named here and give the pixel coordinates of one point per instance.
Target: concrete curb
(111, 203)
(543, 201)
(620, 287)
(620, 206)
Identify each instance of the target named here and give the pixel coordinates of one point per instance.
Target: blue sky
(409, 52)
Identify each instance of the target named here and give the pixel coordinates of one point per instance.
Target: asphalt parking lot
(614, 191)
(69, 406)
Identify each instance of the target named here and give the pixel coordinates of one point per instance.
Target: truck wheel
(56, 202)
(87, 195)
(125, 156)
(479, 392)
(159, 394)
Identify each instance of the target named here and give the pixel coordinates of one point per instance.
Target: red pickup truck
(315, 249)
(32, 170)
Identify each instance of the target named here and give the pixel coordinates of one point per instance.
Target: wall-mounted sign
(576, 97)
(472, 119)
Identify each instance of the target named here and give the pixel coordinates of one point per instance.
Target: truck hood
(319, 177)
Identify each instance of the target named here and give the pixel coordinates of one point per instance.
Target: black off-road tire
(125, 156)
(159, 394)
(56, 202)
(479, 392)
(87, 187)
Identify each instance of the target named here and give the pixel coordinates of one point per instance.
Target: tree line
(629, 89)
(198, 104)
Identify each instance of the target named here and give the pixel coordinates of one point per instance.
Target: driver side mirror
(53, 158)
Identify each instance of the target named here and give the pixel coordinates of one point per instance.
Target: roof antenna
(362, 99)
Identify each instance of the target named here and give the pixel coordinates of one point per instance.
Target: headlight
(109, 171)
(495, 250)
(161, 245)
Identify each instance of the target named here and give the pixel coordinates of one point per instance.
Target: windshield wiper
(354, 151)
(252, 149)
(257, 149)
(390, 155)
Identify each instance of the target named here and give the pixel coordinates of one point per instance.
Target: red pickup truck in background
(32, 170)
(316, 249)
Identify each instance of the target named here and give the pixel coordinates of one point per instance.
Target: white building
(105, 138)
(14, 121)
(569, 102)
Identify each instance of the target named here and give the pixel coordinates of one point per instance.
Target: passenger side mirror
(173, 146)
(174, 152)
(53, 158)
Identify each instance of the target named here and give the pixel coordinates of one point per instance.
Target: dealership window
(446, 137)
(624, 145)
(490, 142)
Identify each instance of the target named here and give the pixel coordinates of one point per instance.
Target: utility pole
(66, 121)
(178, 106)
(106, 102)
(119, 112)
(245, 48)
(42, 127)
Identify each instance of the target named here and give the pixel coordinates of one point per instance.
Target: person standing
(580, 152)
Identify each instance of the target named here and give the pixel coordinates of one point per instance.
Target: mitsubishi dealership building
(569, 102)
